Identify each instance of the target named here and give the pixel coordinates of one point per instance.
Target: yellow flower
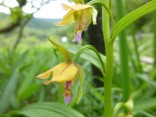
(81, 14)
(62, 72)
(65, 72)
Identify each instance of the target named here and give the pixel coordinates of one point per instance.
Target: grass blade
(8, 91)
(133, 16)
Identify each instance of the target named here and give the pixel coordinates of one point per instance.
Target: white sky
(51, 10)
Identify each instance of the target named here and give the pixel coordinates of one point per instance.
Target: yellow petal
(57, 69)
(67, 74)
(45, 75)
(94, 15)
(78, 7)
(67, 19)
(86, 18)
(65, 6)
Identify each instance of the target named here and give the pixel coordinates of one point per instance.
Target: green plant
(113, 105)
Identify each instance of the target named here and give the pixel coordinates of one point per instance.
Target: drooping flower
(65, 72)
(82, 14)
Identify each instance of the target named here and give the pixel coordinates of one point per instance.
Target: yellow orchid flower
(65, 72)
(81, 14)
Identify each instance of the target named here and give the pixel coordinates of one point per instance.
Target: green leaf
(47, 109)
(4, 115)
(92, 48)
(14, 102)
(80, 89)
(62, 50)
(90, 56)
(24, 90)
(28, 91)
(8, 91)
(146, 79)
(144, 105)
(131, 17)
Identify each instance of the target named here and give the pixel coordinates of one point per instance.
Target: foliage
(19, 88)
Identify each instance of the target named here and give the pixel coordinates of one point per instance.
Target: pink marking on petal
(67, 85)
(78, 36)
(67, 94)
(67, 97)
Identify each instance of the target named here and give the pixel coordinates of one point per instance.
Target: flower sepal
(78, 1)
(62, 50)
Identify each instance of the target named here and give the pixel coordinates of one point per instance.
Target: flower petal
(67, 96)
(57, 70)
(86, 18)
(94, 15)
(45, 75)
(78, 1)
(68, 85)
(78, 36)
(78, 7)
(67, 74)
(65, 6)
(67, 19)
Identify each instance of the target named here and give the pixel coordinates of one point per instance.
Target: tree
(19, 18)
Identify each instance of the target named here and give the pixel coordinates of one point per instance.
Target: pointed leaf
(8, 91)
(133, 16)
(80, 89)
(62, 50)
(91, 55)
(27, 82)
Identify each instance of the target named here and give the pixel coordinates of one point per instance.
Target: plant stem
(154, 39)
(109, 62)
(125, 78)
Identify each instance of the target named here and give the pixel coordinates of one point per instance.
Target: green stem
(125, 78)
(109, 62)
(108, 80)
(154, 39)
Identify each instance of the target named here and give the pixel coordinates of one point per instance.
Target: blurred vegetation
(19, 87)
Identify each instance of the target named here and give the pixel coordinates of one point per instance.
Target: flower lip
(67, 85)
(78, 36)
(67, 96)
